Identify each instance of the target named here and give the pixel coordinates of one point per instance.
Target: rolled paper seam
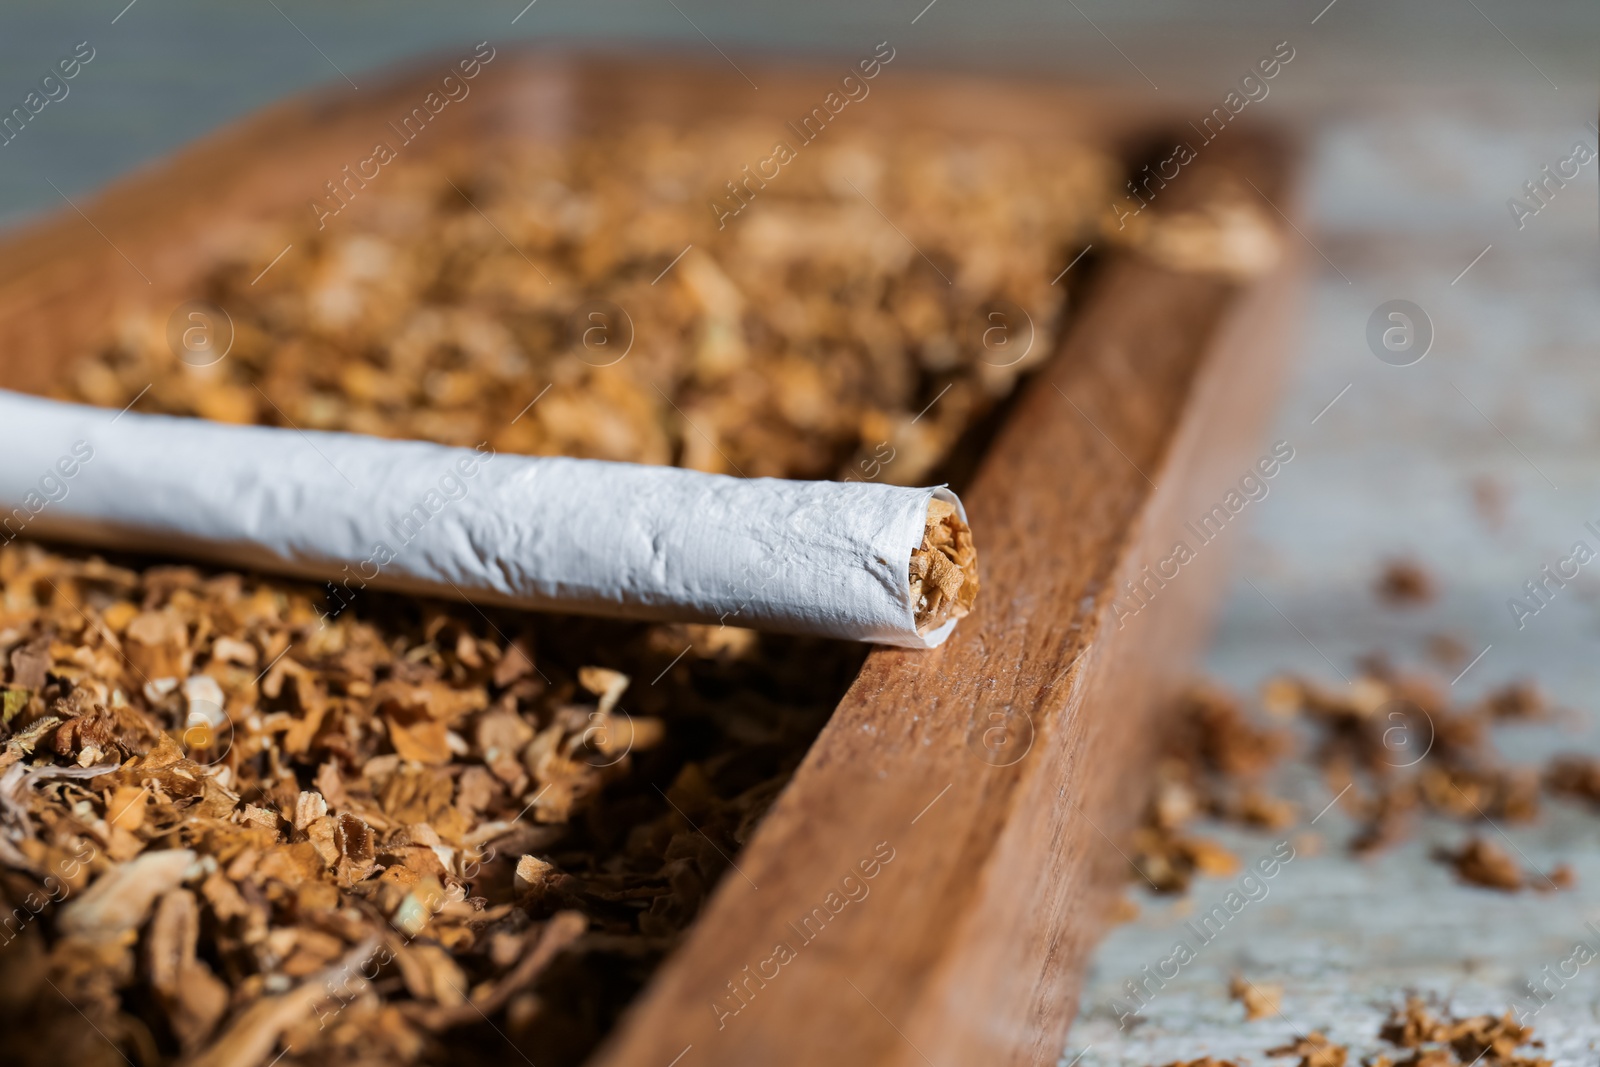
(555, 534)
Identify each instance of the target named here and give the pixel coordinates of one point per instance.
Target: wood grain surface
(999, 769)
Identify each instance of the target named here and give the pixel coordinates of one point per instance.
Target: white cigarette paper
(552, 534)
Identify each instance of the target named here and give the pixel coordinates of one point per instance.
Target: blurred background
(169, 70)
(1422, 121)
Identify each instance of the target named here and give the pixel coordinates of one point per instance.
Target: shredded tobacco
(944, 569)
(417, 783)
(233, 832)
(806, 337)
(1391, 738)
(1213, 766)
(1389, 745)
(232, 828)
(1479, 1038)
(1431, 1040)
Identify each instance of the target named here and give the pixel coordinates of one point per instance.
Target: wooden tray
(984, 783)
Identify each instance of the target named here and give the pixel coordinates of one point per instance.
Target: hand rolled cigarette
(851, 560)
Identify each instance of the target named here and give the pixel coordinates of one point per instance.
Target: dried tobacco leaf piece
(120, 899)
(1482, 862)
(1168, 861)
(1484, 1036)
(12, 703)
(1427, 1057)
(127, 806)
(1314, 1050)
(1226, 740)
(430, 974)
(191, 995)
(425, 900)
(357, 850)
(1574, 776)
(309, 806)
(29, 664)
(515, 662)
(608, 685)
(1260, 1001)
(1519, 701)
(323, 834)
(1412, 1026)
(1388, 813)
(157, 644)
(232, 650)
(1259, 810)
(1404, 582)
(87, 736)
(537, 880)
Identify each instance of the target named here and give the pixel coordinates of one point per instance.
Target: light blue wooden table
(1408, 188)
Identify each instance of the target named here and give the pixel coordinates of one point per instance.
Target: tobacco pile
(854, 320)
(229, 825)
(234, 832)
